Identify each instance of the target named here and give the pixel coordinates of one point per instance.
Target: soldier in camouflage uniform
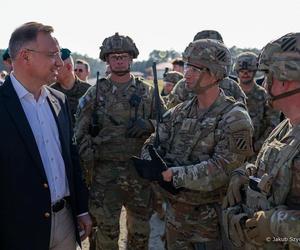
(170, 79)
(201, 140)
(112, 123)
(69, 83)
(270, 217)
(263, 117)
(181, 92)
(178, 65)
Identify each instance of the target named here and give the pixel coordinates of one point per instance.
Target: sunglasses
(78, 70)
(194, 69)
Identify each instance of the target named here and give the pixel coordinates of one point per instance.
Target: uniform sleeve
(164, 136)
(239, 93)
(178, 95)
(232, 88)
(286, 223)
(81, 131)
(230, 152)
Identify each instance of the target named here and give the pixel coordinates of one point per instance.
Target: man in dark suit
(43, 198)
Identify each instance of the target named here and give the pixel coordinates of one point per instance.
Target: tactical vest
(193, 141)
(275, 159)
(114, 113)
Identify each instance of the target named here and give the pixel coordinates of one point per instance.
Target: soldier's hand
(251, 169)
(167, 175)
(258, 228)
(236, 231)
(139, 128)
(152, 170)
(234, 190)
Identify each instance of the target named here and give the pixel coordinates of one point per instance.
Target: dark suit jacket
(24, 193)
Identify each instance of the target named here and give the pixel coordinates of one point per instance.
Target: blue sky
(157, 24)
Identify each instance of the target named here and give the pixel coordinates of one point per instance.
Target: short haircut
(178, 61)
(24, 34)
(85, 63)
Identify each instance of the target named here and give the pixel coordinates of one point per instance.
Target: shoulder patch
(83, 101)
(240, 142)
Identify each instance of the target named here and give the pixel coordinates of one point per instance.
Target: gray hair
(24, 34)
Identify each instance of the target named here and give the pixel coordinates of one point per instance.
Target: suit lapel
(15, 110)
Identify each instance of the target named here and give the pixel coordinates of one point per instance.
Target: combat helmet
(246, 60)
(211, 54)
(173, 77)
(208, 34)
(281, 58)
(118, 44)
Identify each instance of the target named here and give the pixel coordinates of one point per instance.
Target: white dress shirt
(44, 128)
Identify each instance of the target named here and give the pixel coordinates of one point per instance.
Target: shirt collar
(22, 92)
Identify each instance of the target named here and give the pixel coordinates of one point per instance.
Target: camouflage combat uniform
(180, 93)
(202, 147)
(280, 157)
(263, 117)
(107, 157)
(73, 94)
(274, 193)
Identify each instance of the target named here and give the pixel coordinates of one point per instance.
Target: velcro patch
(241, 143)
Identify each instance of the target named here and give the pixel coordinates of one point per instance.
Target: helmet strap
(201, 90)
(283, 95)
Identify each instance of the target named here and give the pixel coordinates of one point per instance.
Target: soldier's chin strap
(200, 90)
(272, 97)
(283, 95)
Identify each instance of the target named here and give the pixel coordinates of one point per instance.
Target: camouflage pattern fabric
(118, 44)
(246, 60)
(202, 147)
(282, 58)
(106, 160)
(211, 54)
(73, 94)
(180, 93)
(115, 186)
(280, 157)
(173, 77)
(263, 117)
(181, 232)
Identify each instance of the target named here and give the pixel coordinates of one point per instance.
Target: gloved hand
(233, 195)
(151, 170)
(235, 231)
(258, 228)
(139, 128)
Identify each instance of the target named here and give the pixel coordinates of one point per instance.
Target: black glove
(151, 170)
(146, 169)
(139, 128)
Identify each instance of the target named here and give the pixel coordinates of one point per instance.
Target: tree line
(158, 56)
